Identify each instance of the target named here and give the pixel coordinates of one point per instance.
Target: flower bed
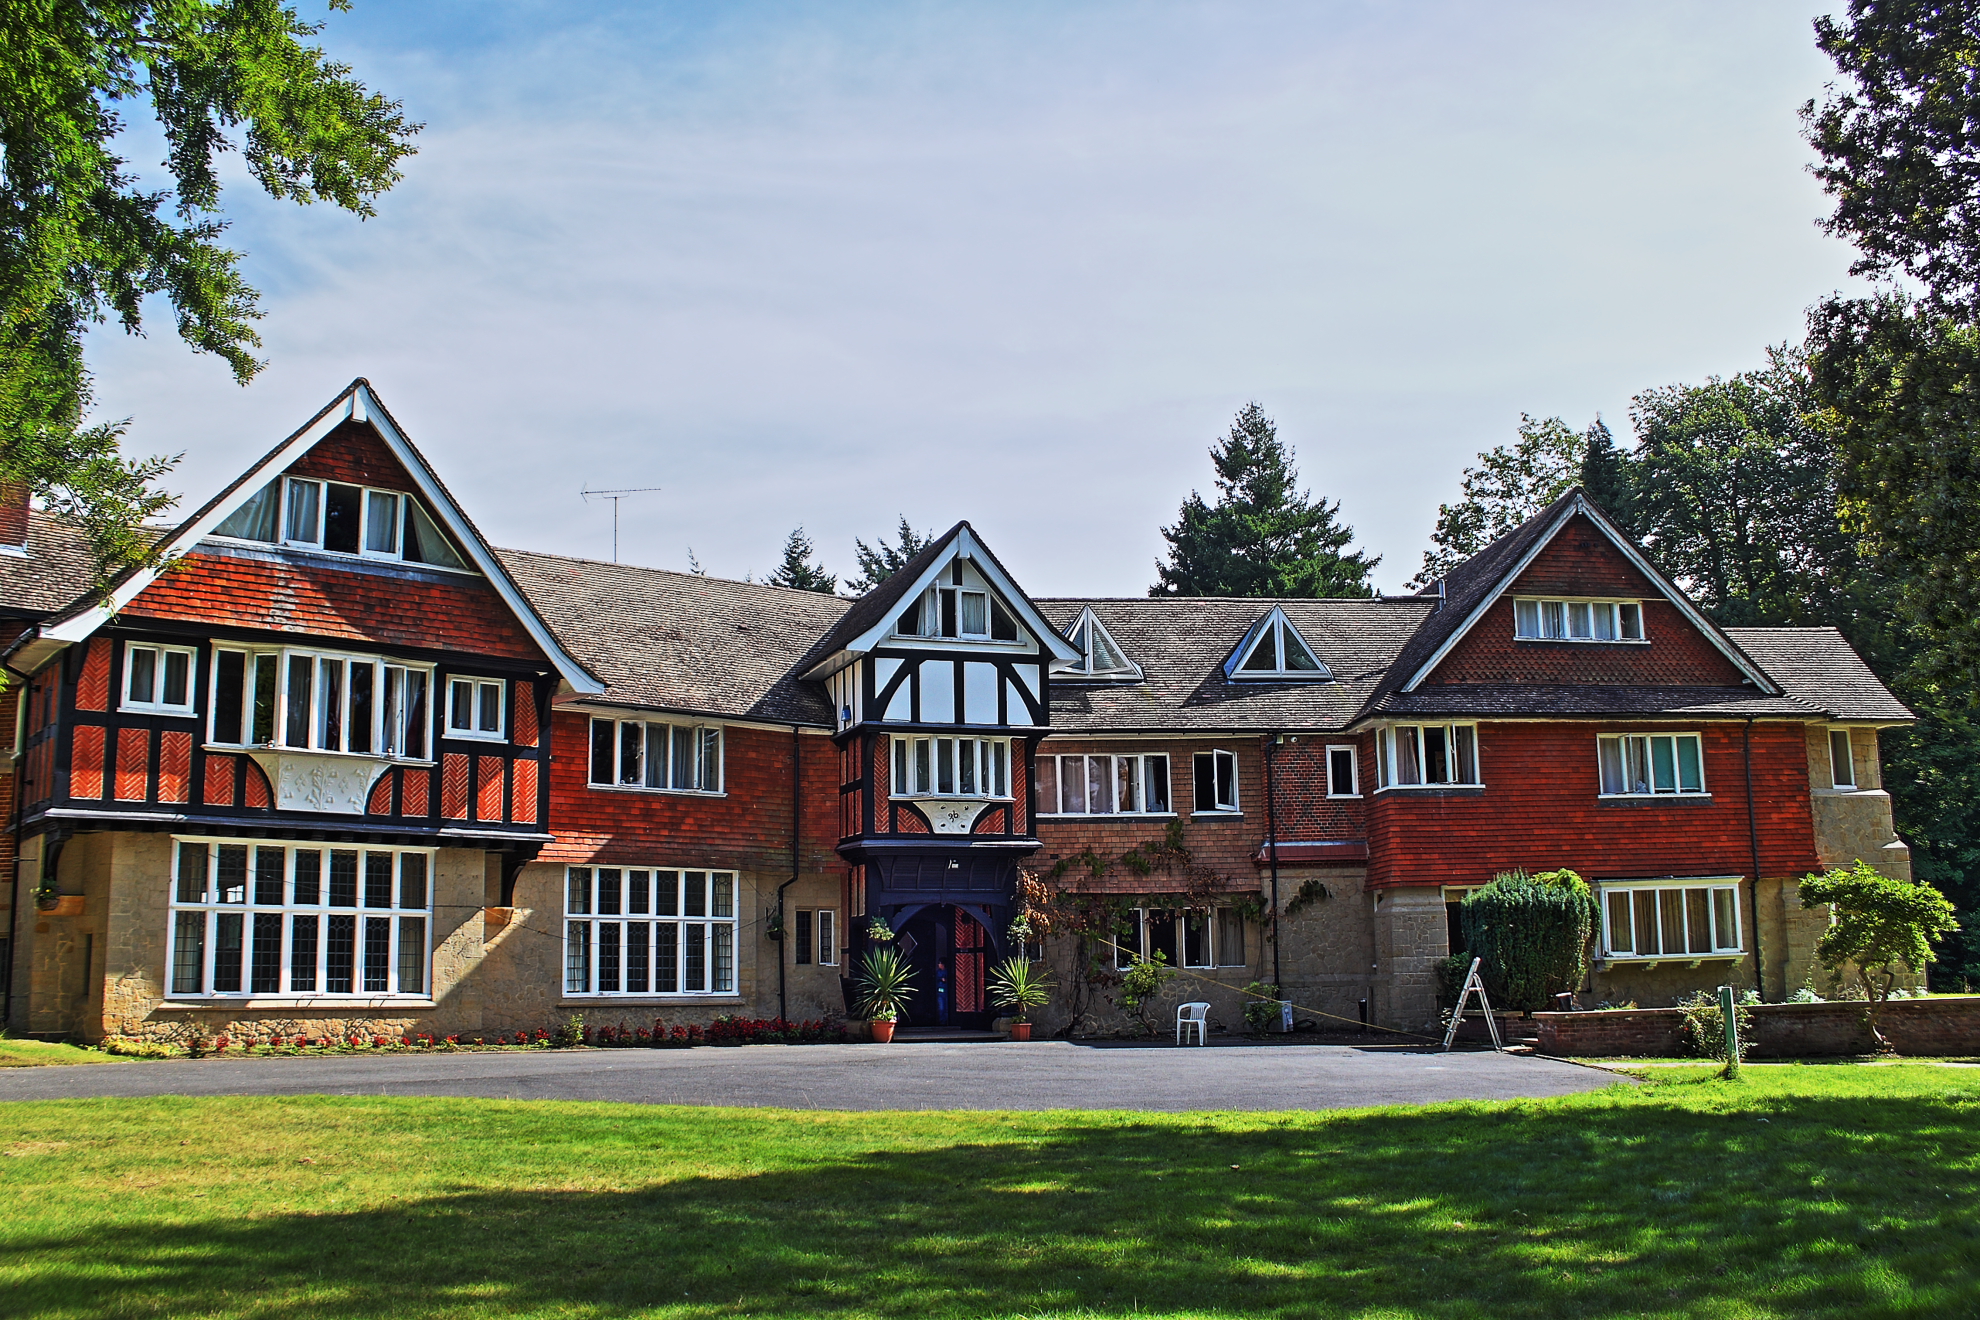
(572, 1035)
(1938, 1025)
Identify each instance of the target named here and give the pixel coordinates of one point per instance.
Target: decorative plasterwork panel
(951, 815)
(318, 781)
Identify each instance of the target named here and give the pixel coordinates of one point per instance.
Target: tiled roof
(57, 568)
(1465, 588)
(1503, 700)
(882, 601)
(1181, 646)
(1818, 667)
(679, 642)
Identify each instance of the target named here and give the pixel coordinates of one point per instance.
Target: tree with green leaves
(1734, 495)
(1899, 143)
(1881, 926)
(1264, 536)
(83, 240)
(880, 561)
(797, 571)
(1510, 484)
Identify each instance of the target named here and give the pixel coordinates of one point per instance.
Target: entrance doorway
(950, 952)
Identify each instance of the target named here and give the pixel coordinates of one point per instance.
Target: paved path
(1034, 1075)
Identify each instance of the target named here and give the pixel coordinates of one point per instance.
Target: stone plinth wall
(1945, 1025)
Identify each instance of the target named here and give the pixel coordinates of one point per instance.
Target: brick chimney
(13, 515)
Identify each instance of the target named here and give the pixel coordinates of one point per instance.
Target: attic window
(1274, 649)
(962, 612)
(1578, 620)
(350, 520)
(1100, 655)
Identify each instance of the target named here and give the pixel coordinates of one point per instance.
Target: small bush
(1261, 1007)
(139, 1049)
(1705, 1026)
(571, 1034)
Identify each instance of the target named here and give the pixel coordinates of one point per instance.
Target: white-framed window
(1186, 937)
(477, 708)
(1671, 919)
(1427, 756)
(254, 918)
(157, 679)
(1842, 761)
(1274, 649)
(1216, 782)
(961, 607)
(342, 519)
(1100, 656)
(815, 937)
(677, 758)
(1137, 784)
(951, 767)
(649, 931)
(1578, 620)
(1343, 771)
(320, 701)
(1651, 765)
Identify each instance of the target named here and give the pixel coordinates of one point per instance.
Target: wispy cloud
(1020, 264)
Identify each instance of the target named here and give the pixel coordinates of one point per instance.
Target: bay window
(679, 758)
(158, 679)
(648, 931)
(320, 701)
(1683, 919)
(1104, 785)
(1578, 620)
(1427, 756)
(476, 708)
(951, 767)
(279, 919)
(1651, 765)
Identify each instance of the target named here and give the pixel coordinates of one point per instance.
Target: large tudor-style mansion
(339, 764)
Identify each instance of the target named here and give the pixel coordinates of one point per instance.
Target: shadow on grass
(1801, 1207)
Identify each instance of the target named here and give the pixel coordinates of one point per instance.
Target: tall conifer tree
(1264, 536)
(797, 571)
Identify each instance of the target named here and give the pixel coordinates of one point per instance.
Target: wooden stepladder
(1472, 982)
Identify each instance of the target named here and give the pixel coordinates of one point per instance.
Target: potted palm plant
(1019, 985)
(885, 984)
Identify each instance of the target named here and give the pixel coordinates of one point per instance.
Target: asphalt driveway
(999, 1075)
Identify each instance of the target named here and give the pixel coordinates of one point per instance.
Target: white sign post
(1472, 982)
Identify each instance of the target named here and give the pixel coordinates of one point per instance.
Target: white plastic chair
(1191, 1016)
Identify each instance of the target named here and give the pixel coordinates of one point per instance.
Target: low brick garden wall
(1948, 1025)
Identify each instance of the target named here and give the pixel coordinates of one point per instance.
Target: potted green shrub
(886, 982)
(1018, 985)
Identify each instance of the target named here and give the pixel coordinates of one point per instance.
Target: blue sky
(1016, 263)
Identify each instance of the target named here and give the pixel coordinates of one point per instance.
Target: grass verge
(1815, 1191)
(34, 1053)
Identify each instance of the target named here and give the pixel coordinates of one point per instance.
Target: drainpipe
(1753, 840)
(783, 1008)
(1272, 848)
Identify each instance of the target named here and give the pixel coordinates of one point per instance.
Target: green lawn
(34, 1053)
(1807, 1191)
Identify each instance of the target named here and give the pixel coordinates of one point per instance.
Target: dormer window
(1274, 649)
(1578, 620)
(342, 519)
(958, 608)
(1100, 656)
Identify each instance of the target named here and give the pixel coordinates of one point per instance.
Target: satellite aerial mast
(588, 494)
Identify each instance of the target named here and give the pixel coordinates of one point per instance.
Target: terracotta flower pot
(1020, 1031)
(883, 1032)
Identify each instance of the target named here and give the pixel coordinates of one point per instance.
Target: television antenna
(588, 495)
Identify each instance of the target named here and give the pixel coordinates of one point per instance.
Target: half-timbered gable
(299, 733)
